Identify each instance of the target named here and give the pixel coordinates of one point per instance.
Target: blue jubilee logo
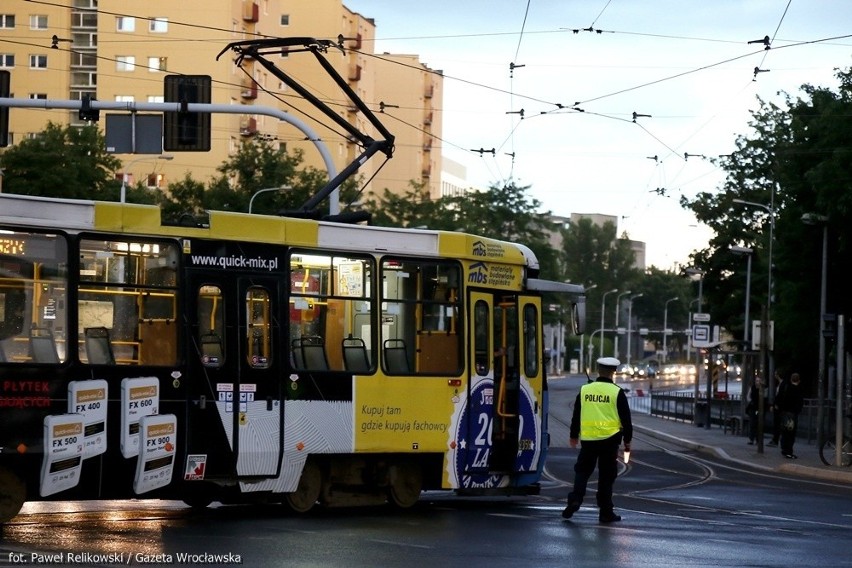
(474, 435)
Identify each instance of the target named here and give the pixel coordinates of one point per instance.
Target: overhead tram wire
(277, 96)
(562, 30)
(559, 108)
(193, 26)
(512, 66)
(196, 26)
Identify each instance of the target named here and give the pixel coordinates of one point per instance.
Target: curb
(718, 452)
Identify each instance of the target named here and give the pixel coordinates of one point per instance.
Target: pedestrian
(600, 422)
(776, 414)
(752, 409)
(789, 402)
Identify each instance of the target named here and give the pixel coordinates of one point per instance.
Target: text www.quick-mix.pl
(235, 261)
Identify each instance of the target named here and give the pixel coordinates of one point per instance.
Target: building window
(7, 60)
(125, 24)
(156, 64)
(84, 39)
(7, 21)
(155, 181)
(38, 96)
(125, 63)
(285, 19)
(124, 98)
(38, 61)
(156, 99)
(158, 25)
(38, 22)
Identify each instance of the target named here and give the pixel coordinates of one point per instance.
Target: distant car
(624, 371)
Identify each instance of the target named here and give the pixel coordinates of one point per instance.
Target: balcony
(248, 126)
(355, 73)
(249, 91)
(251, 12)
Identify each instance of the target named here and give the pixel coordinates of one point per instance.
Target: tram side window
(481, 330)
(421, 327)
(33, 293)
(332, 313)
(211, 325)
(128, 290)
(530, 340)
(258, 330)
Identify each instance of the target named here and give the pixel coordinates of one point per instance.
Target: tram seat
(98, 347)
(355, 356)
(396, 357)
(42, 346)
(211, 349)
(309, 353)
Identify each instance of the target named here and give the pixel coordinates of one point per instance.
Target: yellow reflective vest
(598, 411)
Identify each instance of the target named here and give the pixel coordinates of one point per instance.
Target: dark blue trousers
(604, 455)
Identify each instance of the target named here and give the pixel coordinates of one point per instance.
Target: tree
(413, 209)
(796, 160)
(62, 161)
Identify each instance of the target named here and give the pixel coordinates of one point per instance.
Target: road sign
(701, 335)
(700, 317)
(756, 332)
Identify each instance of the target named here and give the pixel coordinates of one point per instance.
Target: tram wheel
(306, 494)
(13, 493)
(197, 502)
(405, 484)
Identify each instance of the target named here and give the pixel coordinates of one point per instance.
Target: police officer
(600, 422)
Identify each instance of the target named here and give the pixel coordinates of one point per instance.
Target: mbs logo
(479, 249)
(478, 273)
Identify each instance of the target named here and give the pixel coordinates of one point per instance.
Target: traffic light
(5, 82)
(87, 113)
(185, 131)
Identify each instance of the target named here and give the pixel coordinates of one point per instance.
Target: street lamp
(617, 306)
(817, 219)
(666, 328)
(124, 173)
(259, 191)
(630, 325)
(700, 274)
(698, 363)
(746, 318)
(603, 310)
(764, 325)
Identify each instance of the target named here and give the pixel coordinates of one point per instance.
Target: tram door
(236, 333)
(494, 384)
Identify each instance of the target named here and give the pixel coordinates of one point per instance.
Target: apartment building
(112, 50)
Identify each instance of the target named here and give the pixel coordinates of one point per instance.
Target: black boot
(568, 512)
(609, 517)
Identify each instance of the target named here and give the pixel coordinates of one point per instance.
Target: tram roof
(130, 218)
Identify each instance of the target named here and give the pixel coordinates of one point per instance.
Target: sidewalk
(735, 448)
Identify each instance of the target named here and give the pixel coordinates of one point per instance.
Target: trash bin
(702, 413)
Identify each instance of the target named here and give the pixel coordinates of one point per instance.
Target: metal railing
(680, 405)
